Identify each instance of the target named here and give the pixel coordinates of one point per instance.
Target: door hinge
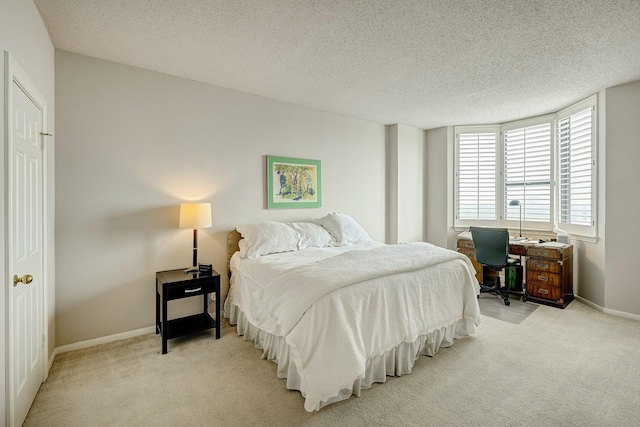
(43, 134)
(42, 343)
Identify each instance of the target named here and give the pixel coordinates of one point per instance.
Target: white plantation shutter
(547, 163)
(476, 183)
(527, 174)
(576, 169)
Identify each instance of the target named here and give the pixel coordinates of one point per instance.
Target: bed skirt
(395, 362)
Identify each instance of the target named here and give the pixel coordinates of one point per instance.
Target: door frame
(15, 74)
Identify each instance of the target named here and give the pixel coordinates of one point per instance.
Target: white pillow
(344, 229)
(267, 238)
(312, 235)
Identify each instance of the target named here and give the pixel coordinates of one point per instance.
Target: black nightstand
(176, 284)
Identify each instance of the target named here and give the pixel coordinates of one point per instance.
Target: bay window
(546, 164)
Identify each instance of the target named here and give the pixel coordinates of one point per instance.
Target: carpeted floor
(491, 305)
(555, 367)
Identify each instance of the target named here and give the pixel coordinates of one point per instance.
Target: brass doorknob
(26, 279)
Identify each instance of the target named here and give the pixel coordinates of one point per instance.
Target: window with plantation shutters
(527, 174)
(547, 164)
(476, 182)
(576, 169)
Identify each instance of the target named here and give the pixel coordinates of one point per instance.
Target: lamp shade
(195, 215)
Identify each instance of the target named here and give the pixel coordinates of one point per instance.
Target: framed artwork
(293, 183)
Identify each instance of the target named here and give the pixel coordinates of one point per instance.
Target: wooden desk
(548, 270)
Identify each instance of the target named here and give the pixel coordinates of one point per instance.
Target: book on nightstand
(205, 268)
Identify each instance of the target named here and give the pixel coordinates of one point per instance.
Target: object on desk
(518, 239)
(552, 245)
(465, 235)
(563, 238)
(517, 203)
(526, 241)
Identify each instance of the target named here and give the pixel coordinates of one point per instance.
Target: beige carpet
(572, 367)
(493, 306)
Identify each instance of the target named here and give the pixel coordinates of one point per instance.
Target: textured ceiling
(423, 63)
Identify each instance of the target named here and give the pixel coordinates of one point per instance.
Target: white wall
(411, 184)
(392, 183)
(439, 187)
(622, 292)
(132, 144)
(589, 257)
(406, 184)
(23, 34)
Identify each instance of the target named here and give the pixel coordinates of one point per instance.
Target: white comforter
(338, 307)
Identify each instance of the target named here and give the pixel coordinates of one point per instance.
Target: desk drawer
(463, 243)
(515, 249)
(471, 254)
(542, 278)
(546, 291)
(551, 253)
(543, 265)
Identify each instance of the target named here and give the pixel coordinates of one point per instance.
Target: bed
(337, 311)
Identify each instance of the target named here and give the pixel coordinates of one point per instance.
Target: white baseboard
(51, 359)
(103, 340)
(589, 303)
(622, 314)
(608, 310)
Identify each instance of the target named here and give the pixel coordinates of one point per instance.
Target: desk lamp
(195, 216)
(517, 203)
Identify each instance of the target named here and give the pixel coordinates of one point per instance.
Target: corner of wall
(392, 183)
(439, 143)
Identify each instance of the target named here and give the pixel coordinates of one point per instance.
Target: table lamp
(195, 216)
(517, 203)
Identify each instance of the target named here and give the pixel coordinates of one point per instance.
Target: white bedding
(329, 333)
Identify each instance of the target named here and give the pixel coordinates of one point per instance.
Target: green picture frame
(293, 183)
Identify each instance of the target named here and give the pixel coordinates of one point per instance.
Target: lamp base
(193, 269)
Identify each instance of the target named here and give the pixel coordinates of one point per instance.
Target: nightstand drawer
(188, 290)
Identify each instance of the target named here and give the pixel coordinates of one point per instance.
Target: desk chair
(492, 250)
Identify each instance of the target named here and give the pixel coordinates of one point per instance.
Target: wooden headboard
(232, 247)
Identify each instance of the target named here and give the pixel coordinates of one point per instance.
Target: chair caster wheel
(507, 302)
